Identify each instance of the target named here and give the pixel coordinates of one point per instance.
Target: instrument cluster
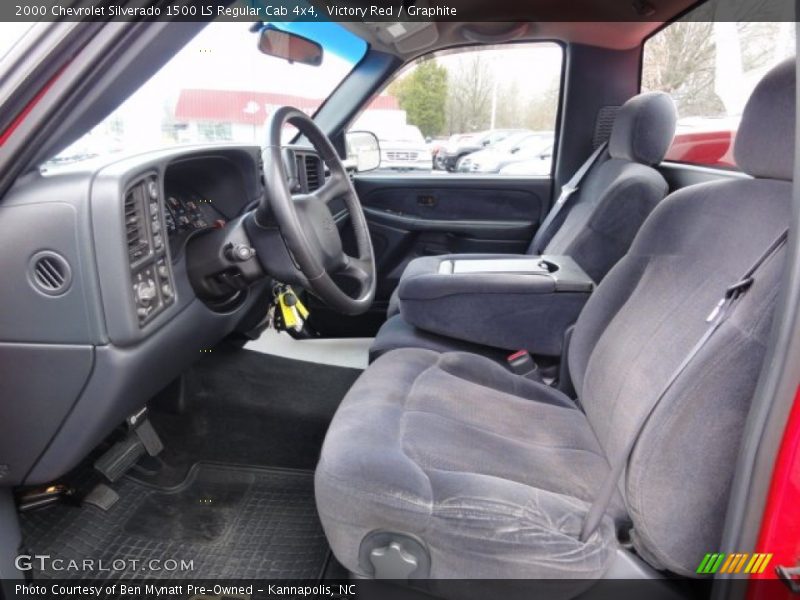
(188, 212)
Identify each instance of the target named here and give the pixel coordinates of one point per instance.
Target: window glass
(710, 69)
(10, 34)
(220, 88)
(490, 111)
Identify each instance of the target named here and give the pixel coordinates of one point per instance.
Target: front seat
(617, 193)
(598, 223)
(451, 466)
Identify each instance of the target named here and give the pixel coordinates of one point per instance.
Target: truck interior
(276, 361)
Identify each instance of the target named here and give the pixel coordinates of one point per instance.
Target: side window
(710, 69)
(489, 111)
(10, 34)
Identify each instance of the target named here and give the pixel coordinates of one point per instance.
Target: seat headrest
(644, 128)
(764, 144)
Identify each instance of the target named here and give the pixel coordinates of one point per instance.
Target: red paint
(780, 528)
(708, 148)
(250, 107)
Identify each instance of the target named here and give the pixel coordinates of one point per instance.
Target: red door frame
(780, 527)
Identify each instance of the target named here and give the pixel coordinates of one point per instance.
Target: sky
(532, 66)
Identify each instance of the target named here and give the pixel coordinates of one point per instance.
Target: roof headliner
(614, 25)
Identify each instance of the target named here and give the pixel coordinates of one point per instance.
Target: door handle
(426, 200)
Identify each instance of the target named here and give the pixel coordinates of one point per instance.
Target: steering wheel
(306, 224)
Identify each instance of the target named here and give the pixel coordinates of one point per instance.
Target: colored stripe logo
(734, 563)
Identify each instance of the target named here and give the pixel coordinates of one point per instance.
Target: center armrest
(505, 301)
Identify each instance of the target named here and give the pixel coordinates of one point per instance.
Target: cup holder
(550, 266)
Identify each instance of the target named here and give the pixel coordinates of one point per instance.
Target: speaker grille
(50, 273)
(604, 124)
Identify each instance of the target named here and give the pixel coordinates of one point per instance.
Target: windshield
(220, 88)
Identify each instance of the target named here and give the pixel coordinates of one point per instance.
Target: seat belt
(718, 316)
(541, 239)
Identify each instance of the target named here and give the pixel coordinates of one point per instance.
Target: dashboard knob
(145, 292)
(240, 252)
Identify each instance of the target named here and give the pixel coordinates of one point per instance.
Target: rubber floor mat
(230, 522)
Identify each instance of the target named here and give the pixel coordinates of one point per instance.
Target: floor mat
(249, 408)
(231, 522)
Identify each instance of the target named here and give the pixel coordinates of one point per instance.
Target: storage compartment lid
(566, 274)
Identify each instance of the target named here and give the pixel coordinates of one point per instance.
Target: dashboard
(98, 309)
(187, 212)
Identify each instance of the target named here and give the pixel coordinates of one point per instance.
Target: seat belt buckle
(731, 295)
(738, 288)
(521, 363)
(566, 191)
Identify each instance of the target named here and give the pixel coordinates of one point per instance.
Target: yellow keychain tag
(299, 305)
(287, 312)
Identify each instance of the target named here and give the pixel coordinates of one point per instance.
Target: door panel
(411, 216)
(452, 197)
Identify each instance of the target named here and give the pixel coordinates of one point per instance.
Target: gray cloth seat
(492, 473)
(615, 196)
(414, 448)
(396, 333)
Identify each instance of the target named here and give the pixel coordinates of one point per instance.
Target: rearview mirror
(289, 46)
(363, 150)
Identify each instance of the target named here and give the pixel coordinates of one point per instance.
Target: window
(10, 34)
(490, 111)
(710, 69)
(220, 88)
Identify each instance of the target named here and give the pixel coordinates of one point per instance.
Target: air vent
(50, 273)
(313, 173)
(135, 232)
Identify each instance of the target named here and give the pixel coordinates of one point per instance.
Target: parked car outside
(461, 145)
(516, 147)
(404, 149)
(705, 141)
(481, 160)
(436, 146)
(534, 158)
(454, 141)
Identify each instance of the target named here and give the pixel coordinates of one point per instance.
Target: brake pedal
(101, 496)
(141, 439)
